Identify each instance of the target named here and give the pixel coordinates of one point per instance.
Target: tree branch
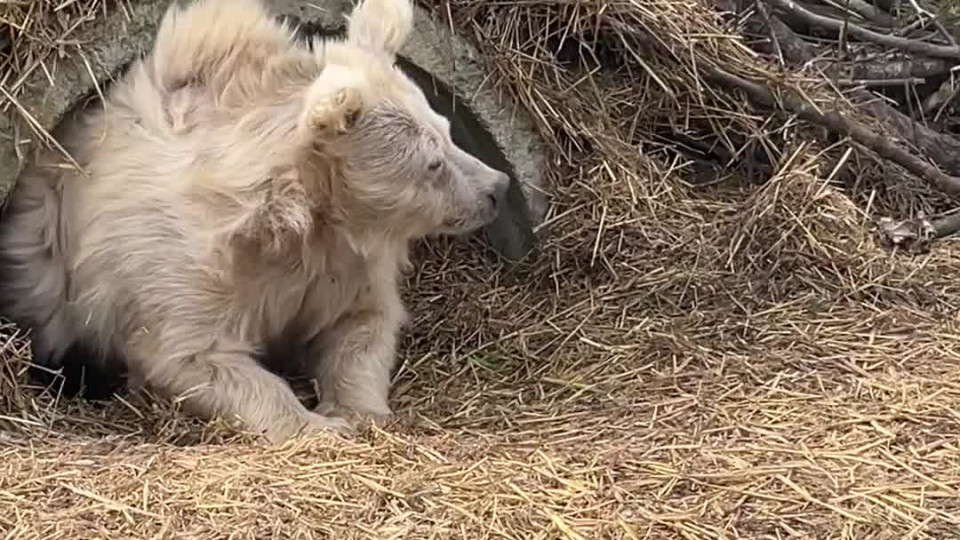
(916, 47)
(871, 12)
(834, 121)
(940, 147)
(916, 235)
(898, 69)
(946, 225)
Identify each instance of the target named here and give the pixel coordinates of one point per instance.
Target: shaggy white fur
(240, 188)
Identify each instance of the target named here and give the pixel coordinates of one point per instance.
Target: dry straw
(699, 351)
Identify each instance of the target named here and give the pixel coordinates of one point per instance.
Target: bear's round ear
(332, 104)
(381, 26)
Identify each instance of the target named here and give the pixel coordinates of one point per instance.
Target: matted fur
(241, 188)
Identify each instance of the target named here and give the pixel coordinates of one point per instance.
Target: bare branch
(866, 10)
(880, 82)
(919, 68)
(940, 147)
(882, 145)
(916, 235)
(916, 47)
(946, 225)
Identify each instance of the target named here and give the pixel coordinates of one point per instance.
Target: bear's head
(387, 156)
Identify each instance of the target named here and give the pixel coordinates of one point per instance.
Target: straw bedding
(710, 343)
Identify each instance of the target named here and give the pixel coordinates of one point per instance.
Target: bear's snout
(497, 193)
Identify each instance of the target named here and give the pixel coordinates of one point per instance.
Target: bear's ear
(381, 26)
(332, 104)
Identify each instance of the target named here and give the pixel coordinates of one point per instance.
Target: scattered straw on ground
(735, 360)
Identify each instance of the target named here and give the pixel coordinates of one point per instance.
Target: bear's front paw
(333, 113)
(379, 417)
(308, 424)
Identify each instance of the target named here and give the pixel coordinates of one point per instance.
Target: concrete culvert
(484, 123)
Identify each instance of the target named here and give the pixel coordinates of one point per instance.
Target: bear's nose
(499, 191)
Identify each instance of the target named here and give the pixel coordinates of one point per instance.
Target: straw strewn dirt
(36, 33)
(711, 342)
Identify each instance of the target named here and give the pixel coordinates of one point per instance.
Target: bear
(235, 188)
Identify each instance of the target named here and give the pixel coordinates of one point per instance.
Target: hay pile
(711, 342)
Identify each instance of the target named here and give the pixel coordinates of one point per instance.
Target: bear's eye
(435, 165)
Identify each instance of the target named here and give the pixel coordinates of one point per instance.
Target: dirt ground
(735, 358)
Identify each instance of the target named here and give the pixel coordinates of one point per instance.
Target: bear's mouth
(477, 220)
